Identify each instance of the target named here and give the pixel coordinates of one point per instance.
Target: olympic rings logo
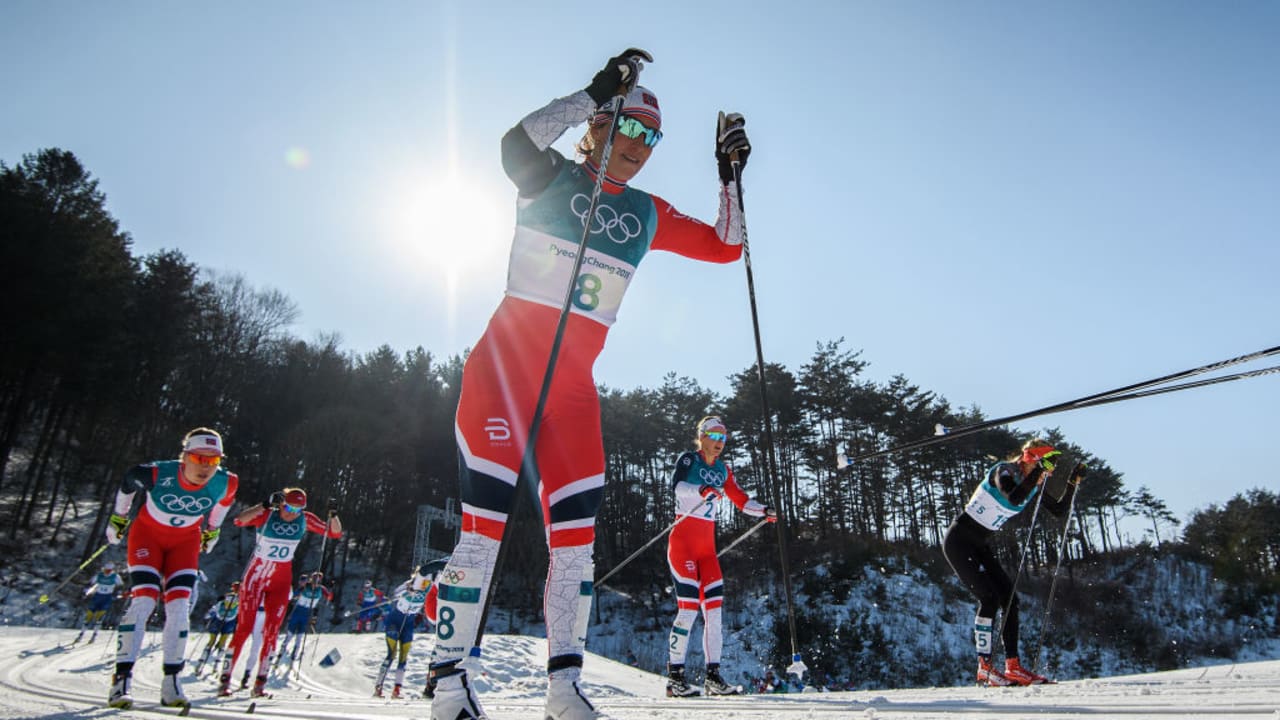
(185, 504)
(453, 577)
(618, 228)
(285, 529)
(711, 477)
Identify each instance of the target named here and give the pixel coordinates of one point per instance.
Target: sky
(1012, 205)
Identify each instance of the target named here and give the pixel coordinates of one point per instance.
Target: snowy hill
(41, 679)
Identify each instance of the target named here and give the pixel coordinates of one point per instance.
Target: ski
(178, 710)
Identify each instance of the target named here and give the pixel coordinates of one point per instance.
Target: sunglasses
(717, 436)
(206, 460)
(292, 508)
(1049, 460)
(633, 128)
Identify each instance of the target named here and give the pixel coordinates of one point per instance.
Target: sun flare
(448, 226)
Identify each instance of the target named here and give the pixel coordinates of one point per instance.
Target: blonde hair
(201, 431)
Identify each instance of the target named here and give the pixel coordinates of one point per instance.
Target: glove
(116, 525)
(710, 492)
(731, 144)
(770, 513)
(618, 76)
(208, 539)
(273, 502)
(1077, 473)
(1048, 460)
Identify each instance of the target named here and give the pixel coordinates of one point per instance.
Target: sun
(447, 226)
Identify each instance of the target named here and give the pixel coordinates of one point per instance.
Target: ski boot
(244, 680)
(715, 685)
(259, 687)
(395, 693)
(429, 692)
(119, 696)
(677, 686)
(454, 698)
(565, 700)
(78, 638)
(377, 691)
(171, 694)
(93, 637)
(1018, 675)
(224, 685)
(988, 675)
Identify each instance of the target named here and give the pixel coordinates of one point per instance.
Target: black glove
(731, 144)
(618, 76)
(1078, 472)
(273, 502)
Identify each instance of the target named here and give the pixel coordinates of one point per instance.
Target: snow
(41, 679)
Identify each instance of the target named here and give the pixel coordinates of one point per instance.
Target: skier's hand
(208, 539)
(1077, 473)
(619, 75)
(770, 513)
(273, 502)
(116, 525)
(710, 492)
(731, 144)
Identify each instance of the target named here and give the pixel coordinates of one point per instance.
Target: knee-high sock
(680, 629)
(177, 624)
(132, 628)
(712, 635)
(567, 605)
(461, 596)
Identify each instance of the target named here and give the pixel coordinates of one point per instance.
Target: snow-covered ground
(42, 679)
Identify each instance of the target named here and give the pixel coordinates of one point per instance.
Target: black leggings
(966, 550)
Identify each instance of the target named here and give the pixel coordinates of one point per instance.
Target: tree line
(109, 358)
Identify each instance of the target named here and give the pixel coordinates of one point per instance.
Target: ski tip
(185, 711)
(252, 706)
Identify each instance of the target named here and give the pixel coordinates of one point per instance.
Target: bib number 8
(586, 292)
(444, 628)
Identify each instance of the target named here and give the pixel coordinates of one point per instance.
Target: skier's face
(628, 155)
(197, 468)
(712, 443)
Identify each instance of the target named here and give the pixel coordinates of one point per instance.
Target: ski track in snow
(40, 679)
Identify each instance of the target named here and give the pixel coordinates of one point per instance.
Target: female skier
(504, 373)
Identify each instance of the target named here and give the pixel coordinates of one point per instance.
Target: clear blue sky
(1012, 204)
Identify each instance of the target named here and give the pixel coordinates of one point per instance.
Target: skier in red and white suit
(164, 546)
(700, 479)
(282, 521)
(504, 373)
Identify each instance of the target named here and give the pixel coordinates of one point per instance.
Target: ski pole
(600, 583)
(527, 462)
(1123, 393)
(797, 666)
(311, 616)
(45, 598)
(1053, 585)
(1026, 547)
(742, 537)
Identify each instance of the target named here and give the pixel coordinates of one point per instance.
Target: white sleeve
(545, 125)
